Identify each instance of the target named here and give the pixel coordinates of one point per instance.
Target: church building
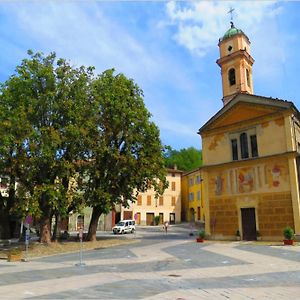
(250, 154)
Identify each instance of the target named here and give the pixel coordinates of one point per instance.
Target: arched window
(231, 76)
(248, 77)
(244, 145)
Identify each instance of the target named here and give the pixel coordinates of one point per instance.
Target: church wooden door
(249, 224)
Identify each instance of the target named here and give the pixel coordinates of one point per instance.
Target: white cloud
(87, 36)
(200, 24)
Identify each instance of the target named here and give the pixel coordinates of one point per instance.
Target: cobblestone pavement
(160, 266)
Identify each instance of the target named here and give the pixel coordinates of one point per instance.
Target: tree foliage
(125, 149)
(70, 138)
(44, 118)
(185, 159)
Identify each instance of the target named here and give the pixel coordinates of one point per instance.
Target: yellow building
(167, 206)
(192, 196)
(250, 154)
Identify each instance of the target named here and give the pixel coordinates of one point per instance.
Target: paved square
(160, 266)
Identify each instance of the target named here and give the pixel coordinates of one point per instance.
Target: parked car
(125, 226)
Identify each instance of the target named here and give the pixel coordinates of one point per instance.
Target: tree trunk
(56, 229)
(45, 229)
(5, 225)
(97, 212)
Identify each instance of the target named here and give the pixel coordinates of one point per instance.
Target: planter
(288, 242)
(199, 240)
(238, 238)
(14, 257)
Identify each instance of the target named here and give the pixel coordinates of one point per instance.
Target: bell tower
(236, 63)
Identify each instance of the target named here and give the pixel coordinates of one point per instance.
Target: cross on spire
(231, 10)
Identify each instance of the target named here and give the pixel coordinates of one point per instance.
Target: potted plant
(201, 236)
(14, 255)
(258, 236)
(238, 235)
(288, 234)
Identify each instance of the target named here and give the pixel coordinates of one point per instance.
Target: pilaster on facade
(294, 181)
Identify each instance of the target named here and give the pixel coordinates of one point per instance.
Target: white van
(125, 226)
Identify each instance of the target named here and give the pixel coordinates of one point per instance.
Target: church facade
(250, 154)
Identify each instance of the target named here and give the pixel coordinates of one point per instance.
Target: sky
(169, 48)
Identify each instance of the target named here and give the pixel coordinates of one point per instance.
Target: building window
(198, 179)
(161, 200)
(173, 174)
(198, 196)
(173, 186)
(191, 196)
(149, 200)
(173, 201)
(191, 181)
(253, 141)
(231, 76)
(234, 147)
(139, 200)
(244, 145)
(248, 77)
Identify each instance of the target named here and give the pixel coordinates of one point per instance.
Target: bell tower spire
(235, 62)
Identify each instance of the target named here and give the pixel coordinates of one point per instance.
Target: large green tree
(125, 147)
(70, 139)
(185, 159)
(44, 116)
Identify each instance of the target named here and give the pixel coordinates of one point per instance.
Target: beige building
(167, 207)
(250, 154)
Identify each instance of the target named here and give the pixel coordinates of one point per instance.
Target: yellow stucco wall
(217, 147)
(194, 203)
(184, 198)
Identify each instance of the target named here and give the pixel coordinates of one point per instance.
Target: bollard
(81, 263)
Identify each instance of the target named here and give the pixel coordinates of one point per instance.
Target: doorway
(150, 218)
(137, 218)
(172, 218)
(248, 224)
(127, 214)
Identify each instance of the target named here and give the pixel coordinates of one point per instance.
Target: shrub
(201, 233)
(288, 233)
(237, 233)
(156, 220)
